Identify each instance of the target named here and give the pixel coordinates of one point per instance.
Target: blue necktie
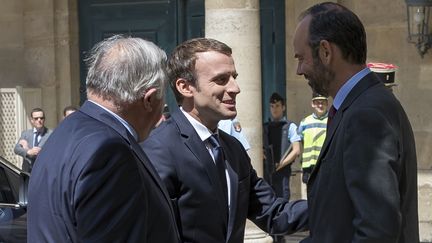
(36, 139)
(331, 114)
(218, 154)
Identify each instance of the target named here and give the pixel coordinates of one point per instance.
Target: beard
(320, 78)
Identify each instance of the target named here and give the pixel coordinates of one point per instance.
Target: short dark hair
(69, 108)
(37, 109)
(181, 63)
(339, 25)
(275, 97)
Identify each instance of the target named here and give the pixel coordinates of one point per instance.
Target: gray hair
(121, 69)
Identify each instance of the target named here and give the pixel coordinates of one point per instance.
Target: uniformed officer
(312, 130)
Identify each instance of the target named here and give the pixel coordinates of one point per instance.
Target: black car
(13, 203)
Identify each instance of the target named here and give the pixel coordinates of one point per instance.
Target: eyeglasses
(38, 118)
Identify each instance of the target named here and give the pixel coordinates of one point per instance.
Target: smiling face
(214, 95)
(320, 107)
(318, 75)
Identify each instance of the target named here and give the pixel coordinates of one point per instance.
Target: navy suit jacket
(186, 167)
(93, 183)
(364, 186)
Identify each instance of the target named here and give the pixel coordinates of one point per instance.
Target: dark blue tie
(36, 139)
(331, 114)
(218, 154)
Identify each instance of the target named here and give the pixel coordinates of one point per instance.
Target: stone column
(39, 54)
(236, 23)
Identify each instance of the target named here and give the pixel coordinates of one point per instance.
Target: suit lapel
(198, 148)
(233, 186)
(366, 82)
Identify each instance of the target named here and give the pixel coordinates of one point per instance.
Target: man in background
(233, 128)
(69, 110)
(282, 146)
(312, 130)
(32, 140)
(92, 182)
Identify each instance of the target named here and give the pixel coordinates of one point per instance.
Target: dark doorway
(272, 17)
(167, 23)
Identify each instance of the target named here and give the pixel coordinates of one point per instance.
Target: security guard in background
(281, 148)
(312, 131)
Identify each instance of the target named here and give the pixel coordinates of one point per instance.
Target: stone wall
(39, 49)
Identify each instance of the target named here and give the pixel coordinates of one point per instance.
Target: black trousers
(281, 182)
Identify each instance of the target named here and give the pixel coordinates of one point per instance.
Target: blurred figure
(233, 128)
(92, 182)
(165, 115)
(364, 185)
(69, 110)
(32, 140)
(282, 146)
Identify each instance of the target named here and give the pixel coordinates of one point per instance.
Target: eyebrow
(223, 75)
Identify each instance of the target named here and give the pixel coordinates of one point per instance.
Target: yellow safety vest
(313, 132)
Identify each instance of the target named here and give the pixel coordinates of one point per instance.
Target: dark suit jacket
(186, 167)
(364, 186)
(93, 183)
(28, 135)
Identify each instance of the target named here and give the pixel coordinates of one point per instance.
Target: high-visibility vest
(313, 132)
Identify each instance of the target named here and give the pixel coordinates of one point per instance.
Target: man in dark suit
(92, 182)
(208, 173)
(32, 140)
(364, 185)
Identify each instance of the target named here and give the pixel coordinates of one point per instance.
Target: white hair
(121, 69)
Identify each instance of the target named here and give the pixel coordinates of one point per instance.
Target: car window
(8, 191)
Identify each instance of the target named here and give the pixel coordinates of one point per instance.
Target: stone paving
(295, 238)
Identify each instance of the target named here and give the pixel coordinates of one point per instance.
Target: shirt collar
(320, 118)
(203, 132)
(281, 120)
(121, 120)
(42, 131)
(348, 86)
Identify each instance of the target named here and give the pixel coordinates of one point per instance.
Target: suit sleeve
(275, 215)
(372, 170)
(19, 150)
(109, 196)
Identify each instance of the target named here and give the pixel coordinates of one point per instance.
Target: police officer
(282, 146)
(312, 130)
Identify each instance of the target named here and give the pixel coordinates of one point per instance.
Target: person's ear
(150, 98)
(325, 51)
(184, 87)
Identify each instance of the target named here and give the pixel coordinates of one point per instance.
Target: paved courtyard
(295, 238)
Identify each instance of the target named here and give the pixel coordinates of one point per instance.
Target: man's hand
(33, 152)
(23, 143)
